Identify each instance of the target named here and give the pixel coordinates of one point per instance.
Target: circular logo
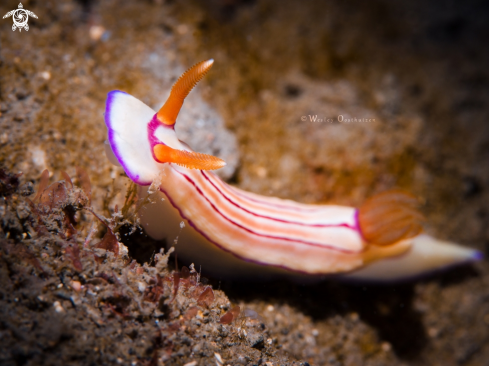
(20, 17)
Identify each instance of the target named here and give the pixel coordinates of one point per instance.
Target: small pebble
(96, 32)
(76, 285)
(250, 314)
(218, 358)
(141, 286)
(386, 346)
(46, 75)
(57, 307)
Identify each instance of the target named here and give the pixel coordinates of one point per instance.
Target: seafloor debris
(80, 296)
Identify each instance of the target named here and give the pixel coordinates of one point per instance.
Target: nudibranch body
(234, 232)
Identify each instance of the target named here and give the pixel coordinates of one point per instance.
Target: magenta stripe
(276, 205)
(263, 235)
(273, 218)
(190, 222)
(153, 140)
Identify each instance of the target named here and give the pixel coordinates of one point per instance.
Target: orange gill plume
(187, 159)
(389, 217)
(169, 112)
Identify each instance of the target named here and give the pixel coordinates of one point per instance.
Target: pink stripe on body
(252, 237)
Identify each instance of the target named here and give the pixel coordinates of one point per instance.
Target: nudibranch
(232, 232)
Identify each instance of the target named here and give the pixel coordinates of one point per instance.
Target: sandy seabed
(71, 294)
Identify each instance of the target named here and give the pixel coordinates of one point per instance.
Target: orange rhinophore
(169, 112)
(187, 159)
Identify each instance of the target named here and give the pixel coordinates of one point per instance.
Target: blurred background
(316, 101)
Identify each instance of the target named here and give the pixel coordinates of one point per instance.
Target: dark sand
(417, 70)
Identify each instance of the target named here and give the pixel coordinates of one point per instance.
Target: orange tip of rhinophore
(187, 159)
(169, 112)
